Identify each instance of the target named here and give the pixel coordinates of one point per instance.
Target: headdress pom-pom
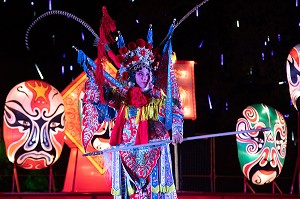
(132, 45)
(135, 58)
(148, 46)
(140, 43)
(120, 58)
(123, 50)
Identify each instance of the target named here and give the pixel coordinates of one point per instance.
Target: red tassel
(142, 133)
(107, 25)
(116, 134)
(99, 78)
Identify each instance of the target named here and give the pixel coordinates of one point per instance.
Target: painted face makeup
(142, 77)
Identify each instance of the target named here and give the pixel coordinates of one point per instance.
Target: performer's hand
(149, 85)
(177, 138)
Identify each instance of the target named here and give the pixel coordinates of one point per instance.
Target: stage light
(209, 102)
(222, 59)
(200, 45)
(38, 70)
(82, 36)
(50, 4)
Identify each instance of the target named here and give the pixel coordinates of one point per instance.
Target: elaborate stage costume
(146, 169)
(146, 100)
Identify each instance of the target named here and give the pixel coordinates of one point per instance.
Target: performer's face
(262, 153)
(33, 125)
(142, 77)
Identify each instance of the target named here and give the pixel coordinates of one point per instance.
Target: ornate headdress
(134, 57)
(137, 53)
(131, 58)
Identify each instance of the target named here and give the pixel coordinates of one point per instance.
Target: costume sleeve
(91, 93)
(155, 93)
(177, 120)
(177, 113)
(114, 95)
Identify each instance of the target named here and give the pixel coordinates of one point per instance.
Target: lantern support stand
(274, 185)
(294, 176)
(298, 159)
(51, 180)
(297, 166)
(246, 184)
(15, 180)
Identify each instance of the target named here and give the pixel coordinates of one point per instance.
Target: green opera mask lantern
(33, 125)
(261, 153)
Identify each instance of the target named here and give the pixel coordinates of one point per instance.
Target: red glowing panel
(184, 72)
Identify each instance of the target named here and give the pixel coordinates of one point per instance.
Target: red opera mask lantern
(33, 125)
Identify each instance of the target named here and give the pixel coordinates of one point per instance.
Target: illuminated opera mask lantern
(33, 126)
(261, 153)
(100, 139)
(293, 73)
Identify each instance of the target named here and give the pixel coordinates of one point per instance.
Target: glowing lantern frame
(184, 72)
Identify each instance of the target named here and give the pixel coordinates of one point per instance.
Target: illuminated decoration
(293, 73)
(83, 172)
(222, 59)
(100, 139)
(201, 44)
(184, 72)
(33, 126)
(209, 102)
(38, 70)
(261, 154)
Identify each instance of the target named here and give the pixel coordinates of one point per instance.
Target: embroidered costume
(144, 114)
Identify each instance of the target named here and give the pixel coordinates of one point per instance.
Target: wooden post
(16, 179)
(51, 180)
(176, 167)
(247, 185)
(296, 174)
(297, 167)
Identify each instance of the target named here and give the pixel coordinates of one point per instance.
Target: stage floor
(181, 195)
